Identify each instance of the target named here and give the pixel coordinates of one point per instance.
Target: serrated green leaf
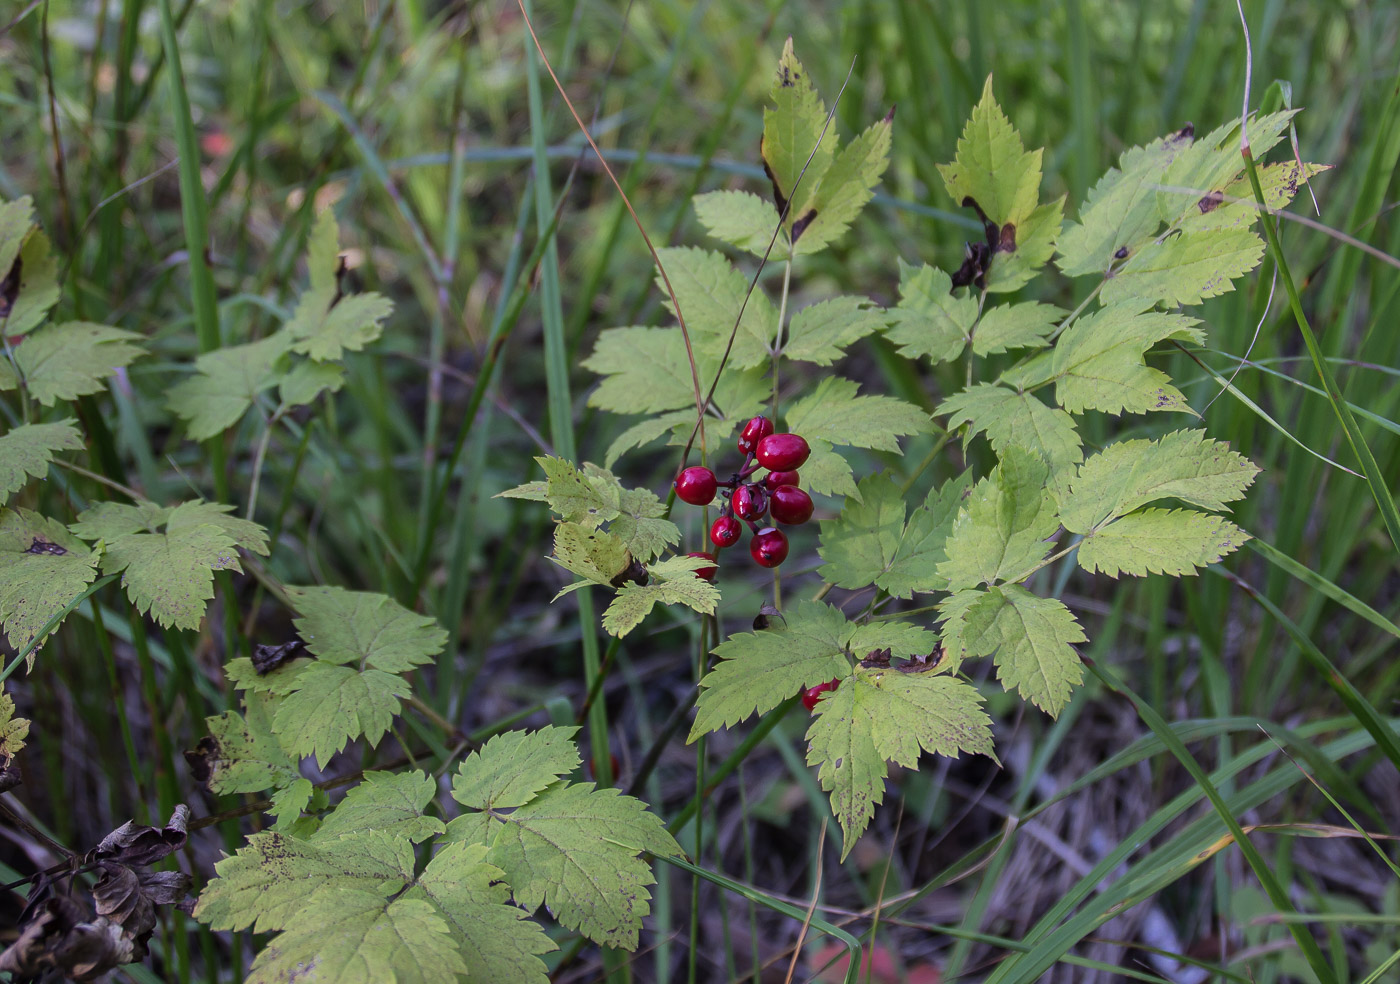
(27, 450)
(641, 527)
(1159, 541)
(16, 219)
(513, 768)
(1003, 529)
(879, 715)
(1031, 637)
(496, 940)
(357, 937)
(575, 497)
(364, 628)
(992, 166)
(109, 520)
(1185, 269)
(226, 382)
(833, 412)
(819, 333)
(924, 544)
(170, 575)
(247, 534)
(1014, 326)
(929, 321)
(634, 602)
(952, 614)
(740, 219)
(899, 640)
(38, 287)
(791, 129)
(1035, 240)
(645, 370)
(241, 754)
(1184, 465)
(13, 730)
(644, 431)
(392, 803)
(274, 876)
(843, 189)
(8, 379)
(289, 802)
(308, 380)
(333, 705)
(596, 555)
(1213, 162)
(1011, 418)
(1236, 207)
(711, 293)
(827, 472)
(64, 362)
(42, 569)
(324, 324)
(280, 681)
(1120, 212)
(575, 849)
(1098, 363)
(859, 545)
(759, 670)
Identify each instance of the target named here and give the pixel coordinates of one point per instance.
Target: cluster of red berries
(777, 496)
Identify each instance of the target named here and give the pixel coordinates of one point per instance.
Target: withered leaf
(135, 844)
(267, 657)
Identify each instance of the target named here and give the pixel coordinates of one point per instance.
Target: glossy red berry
(754, 431)
(782, 452)
(769, 547)
(705, 573)
(777, 479)
(812, 695)
(790, 505)
(725, 531)
(750, 502)
(697, 486)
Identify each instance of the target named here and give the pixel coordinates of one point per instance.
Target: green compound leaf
(820, 332)
(38, 287)
(1212, 163)
(1015, 326)
(1185, 269)
(869, 542)
(843, 189)
(641, 527)
(886, 714)
(1160, 541)
(275, 875)
(42, 569)
(365, 628)
(575, 849)
(109, 520)
(1011, 419)
(1120, 212)
(711, 293)
(740, 219)
(1035, 240)
(64, 362)
(833, 412)
(1098, 362)
(513, 768)
(760, 670)
(992, 166)
(170, 575)
(27, 450)
(241, 754)
(332, 705)
(1031, 637)
(929, 321)
(1184, 465)
(325, 324)
(672, 582)
(226, 382)
(13, 730)
(1002, 531)
(360, 937)
(791, 129)
(571, 493)
(644, 370)
(496, 940)
(388, 802)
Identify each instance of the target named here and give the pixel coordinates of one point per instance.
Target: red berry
(750, 501)
(725, 531)
(777, 479)
(791, 505)
(782, 452)
(769, 547)
(705, 573)
(754, 431)
(811, 695)
(697, 486)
